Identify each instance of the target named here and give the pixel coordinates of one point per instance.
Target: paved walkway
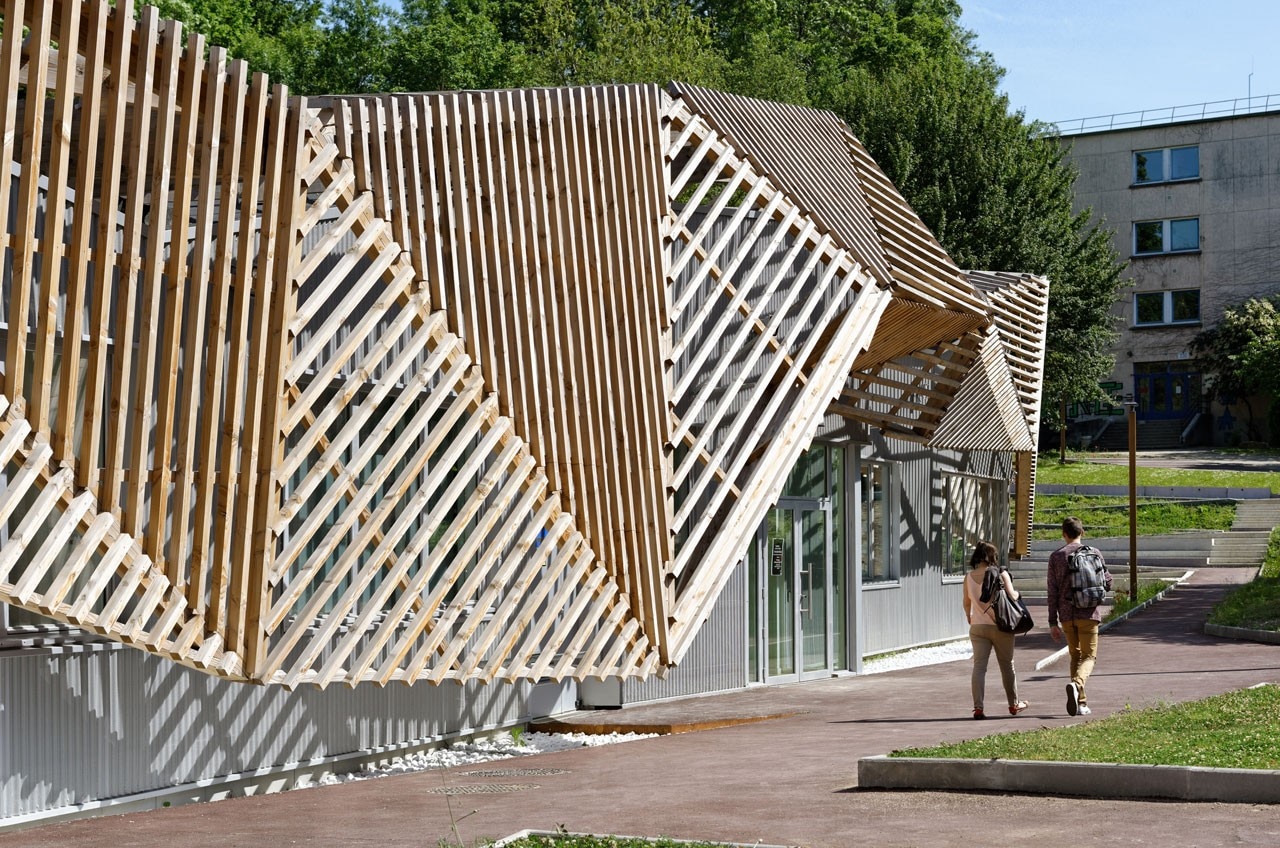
(783, 781)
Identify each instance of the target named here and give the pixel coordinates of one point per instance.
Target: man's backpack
(1089, 577)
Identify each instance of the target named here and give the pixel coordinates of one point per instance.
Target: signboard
(775, 558)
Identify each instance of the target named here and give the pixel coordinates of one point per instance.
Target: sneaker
(979, 714)
(1083, 709)
(1073, 696)
(1014, 709)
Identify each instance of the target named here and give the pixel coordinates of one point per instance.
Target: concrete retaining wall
(1094, 780)
(1200, 492)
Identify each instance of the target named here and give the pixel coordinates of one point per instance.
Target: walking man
(1071, 615)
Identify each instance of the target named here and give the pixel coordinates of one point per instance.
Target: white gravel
(500, 746)
(961, 649)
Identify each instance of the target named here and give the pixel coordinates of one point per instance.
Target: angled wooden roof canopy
(475, 385)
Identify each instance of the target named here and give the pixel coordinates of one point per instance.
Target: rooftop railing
(1171, 114)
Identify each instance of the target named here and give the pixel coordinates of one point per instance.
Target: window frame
(1166, 165)
(868, 536)
(1167, 297)
(981, 501)
(1166, 237)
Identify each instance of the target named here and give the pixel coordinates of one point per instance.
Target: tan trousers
(986, 638)
(1082, 643)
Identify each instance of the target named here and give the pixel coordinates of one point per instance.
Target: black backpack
(1089, 577)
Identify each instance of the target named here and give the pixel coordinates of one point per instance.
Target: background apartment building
(1194, 205)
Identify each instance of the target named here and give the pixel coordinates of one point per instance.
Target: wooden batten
(455, 386)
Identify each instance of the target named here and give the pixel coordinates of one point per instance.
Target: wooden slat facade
(460, 386)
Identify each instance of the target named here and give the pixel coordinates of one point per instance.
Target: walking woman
(983, 632)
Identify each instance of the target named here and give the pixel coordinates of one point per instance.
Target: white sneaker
(1083, 709)
(1073, 699)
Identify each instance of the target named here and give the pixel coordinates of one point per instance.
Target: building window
(1166, 307)
(876, 512)
(975, 507)
(1166, 165)
(1176, 235)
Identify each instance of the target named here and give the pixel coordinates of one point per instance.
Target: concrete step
(1257, 515)
(1162, 559)
(1193, 540)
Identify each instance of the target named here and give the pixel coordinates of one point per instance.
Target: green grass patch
(1049, 470)
(1256, 605)
(1109, 516)
(1235, 730)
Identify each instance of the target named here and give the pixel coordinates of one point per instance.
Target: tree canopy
(904, 74)
(1241, 355)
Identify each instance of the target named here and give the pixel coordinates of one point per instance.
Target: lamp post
(1131, 407)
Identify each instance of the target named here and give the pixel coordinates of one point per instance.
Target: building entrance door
(1166, 394)
(796, 589)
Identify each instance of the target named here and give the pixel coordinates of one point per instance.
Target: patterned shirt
(1061, 608)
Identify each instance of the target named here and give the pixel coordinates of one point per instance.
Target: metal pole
(1132, 407)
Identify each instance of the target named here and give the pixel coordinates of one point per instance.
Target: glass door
(814, 579)
(796, 590)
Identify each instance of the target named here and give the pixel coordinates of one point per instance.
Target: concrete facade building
(1194, 206)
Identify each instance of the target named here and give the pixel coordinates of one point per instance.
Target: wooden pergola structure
(476, 385)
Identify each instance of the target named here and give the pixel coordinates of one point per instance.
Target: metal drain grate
(482, 788)
(515, 772)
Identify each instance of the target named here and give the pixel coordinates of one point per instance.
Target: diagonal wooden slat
(455, 386)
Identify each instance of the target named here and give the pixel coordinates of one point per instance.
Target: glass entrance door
(797, 590)
(1164, 393)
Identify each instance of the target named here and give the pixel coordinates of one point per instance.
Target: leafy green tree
(440, 45)
(352, 55)
(773, 44)
(273, 36)
(651, 41)
(999, 196)
(1241, 355)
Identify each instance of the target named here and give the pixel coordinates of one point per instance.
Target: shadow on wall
(117, 722)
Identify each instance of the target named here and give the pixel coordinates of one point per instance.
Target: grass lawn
(1109, 516)
(1086, 473)
(1235, 730)
(1255, 606)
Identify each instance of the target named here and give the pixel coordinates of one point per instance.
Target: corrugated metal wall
(923, 606)
(716, 662)
(115, 722)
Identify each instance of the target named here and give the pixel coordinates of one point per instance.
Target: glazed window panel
(875, 507)
(1171, 235)
(1148, 237)
(1166, 164)
(1148, 308)
(973, 513)
(1166, 307)
(1185, 305)
(1184, 163)
(1184, 234)
(1148, 166)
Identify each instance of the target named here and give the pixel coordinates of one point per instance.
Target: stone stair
(1257, 514)
(1166, 557)
(1153, 434)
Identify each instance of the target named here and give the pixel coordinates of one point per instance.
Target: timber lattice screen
(480, 385)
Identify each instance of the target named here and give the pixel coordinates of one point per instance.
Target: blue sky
(1081, 58)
